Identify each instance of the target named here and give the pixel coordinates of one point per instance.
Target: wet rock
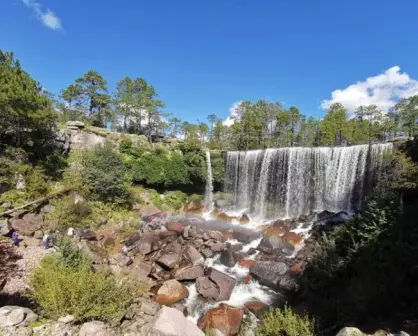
(292, 238)
(149, 307)
(193, 256)
(238, 256)
(66, 319)
(160, 273)
(244, 219)
(245, 235)
(247, 279)
(207, 288)
(171, 292)
(96, 328)
(247, 263)
(276, 245)
(194, 207)
(224, 282)
(217, 247)
(5, 227)
(256, 307)
(269, 273)
(208, 253)
(227, 257)
(252, 251)
(189, 273)
(225, 318)
(172, 322)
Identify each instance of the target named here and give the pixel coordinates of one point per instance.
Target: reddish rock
(224, 217)
(297, 269)
(225, 318)
(256, 307)
(169, 260)
(244, 219)
(215, 213)
(247, 263)
(247, 279)
(292, 238)
(176, 227)
(189, 273)
(171, 292)
(28, 224)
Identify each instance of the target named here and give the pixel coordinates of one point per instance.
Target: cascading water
(209, 184)
(289, 182)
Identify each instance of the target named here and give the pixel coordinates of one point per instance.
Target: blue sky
(204, 56)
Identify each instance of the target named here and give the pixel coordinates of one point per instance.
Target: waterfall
(209, 184)
(289, 182)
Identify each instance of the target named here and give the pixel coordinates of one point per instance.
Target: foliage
(36, 184)
(175, 199)
(103, 174)
(67, 285)
(69, 213)
(14, 197)
(284, 322)
(218, 166)
(195, 198)
(362, 271)
(27, 119)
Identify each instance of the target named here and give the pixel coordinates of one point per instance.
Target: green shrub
(195, 198)
(14, 197)
(104, 175)
(77, 290)
(196, 166)
(36, 184)
(284, 322)
(68, 214)
(175, 199)
(218, 166)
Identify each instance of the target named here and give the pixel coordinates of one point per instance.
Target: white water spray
(209, 184)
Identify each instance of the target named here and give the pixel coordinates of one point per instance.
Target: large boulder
(5, 227)
(269, 273)
(244, 219)
(349, 331)
(27, 225)
(147, 244)
(189, 273)
(227, 257)
(171, 322)
(245, 235)
(171, 292)
(16, 316)
(148, 210)
(207, 288)
(169, 260)
(149, 307)
(86, 234)
(224, 318)
(95, 328)
(194, 207)
(193, 255)
(275, 244)
(224, 282)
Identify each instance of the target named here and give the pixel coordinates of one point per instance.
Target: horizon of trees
(135, 107)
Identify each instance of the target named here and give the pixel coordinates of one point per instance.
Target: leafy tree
(27, 119)
(203, 131)
(334, 127)
(372, 115)
(212, 118)
(408, 114)
(175, 125)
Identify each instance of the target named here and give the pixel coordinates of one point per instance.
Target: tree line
(135, 107)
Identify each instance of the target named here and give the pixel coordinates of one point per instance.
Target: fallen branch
(40, 200)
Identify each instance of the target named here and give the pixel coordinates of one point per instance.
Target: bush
(63, 286)
(175, 199)
(36, 184)
(14, 197)
(285, 322)
(104, 175)
(195, 198)
(68, 214)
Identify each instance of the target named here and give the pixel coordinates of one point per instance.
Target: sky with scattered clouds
(207, 57)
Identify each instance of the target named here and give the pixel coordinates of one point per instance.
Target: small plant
(36, 184)
(14, 197)
(65, 284)
(195, 198)
(284, 322)
(175, 199)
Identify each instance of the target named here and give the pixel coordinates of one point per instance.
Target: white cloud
(382, 90)
(232, 113)
(48, 18)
